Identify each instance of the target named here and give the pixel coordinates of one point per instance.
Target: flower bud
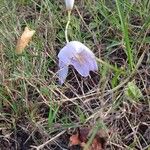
(69, 4)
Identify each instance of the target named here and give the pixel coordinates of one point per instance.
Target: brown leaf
(24, 40)
(96, 145)
(81, 138)
(74, 140)
(83, 134)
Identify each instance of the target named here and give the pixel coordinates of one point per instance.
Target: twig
(47, 142)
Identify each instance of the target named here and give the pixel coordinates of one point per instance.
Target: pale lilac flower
(79, 56)
(69, 4)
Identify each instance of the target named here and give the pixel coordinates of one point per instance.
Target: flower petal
(66, 53)
(90, 58)
(84, 60)
(62, 73)
(70, 50)
(78, 55)
(69, 4)
(82, 68)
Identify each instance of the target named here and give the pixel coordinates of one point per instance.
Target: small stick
(47, 142)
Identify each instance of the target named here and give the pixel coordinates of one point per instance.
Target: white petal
(69, 4)
(62, 73)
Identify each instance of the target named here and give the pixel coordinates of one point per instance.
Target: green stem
(67, 25)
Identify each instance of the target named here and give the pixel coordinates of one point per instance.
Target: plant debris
(82, 136)
(24, 40)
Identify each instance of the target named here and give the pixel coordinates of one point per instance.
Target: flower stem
(67, 25)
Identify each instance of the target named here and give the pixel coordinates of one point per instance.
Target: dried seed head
(24, 40)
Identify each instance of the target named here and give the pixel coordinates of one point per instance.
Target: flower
(24, 40)
(69, 4)
(78, 55)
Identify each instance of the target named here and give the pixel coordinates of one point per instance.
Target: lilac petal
(65, 54)
(63, 57)
(77, 54)
(86, 54)
(71, 49)
(90, 58)
(82, 68)
(62, 73)
(68, 51)
(77, 46)
(84, 62)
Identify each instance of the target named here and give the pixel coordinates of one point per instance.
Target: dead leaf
(24, 40)
(96, 145)
(74, 140)
(82, 136)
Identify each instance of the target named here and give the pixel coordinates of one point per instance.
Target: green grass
(31, 100)
(126, 39)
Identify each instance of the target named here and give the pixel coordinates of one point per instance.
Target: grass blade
(125, 35)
